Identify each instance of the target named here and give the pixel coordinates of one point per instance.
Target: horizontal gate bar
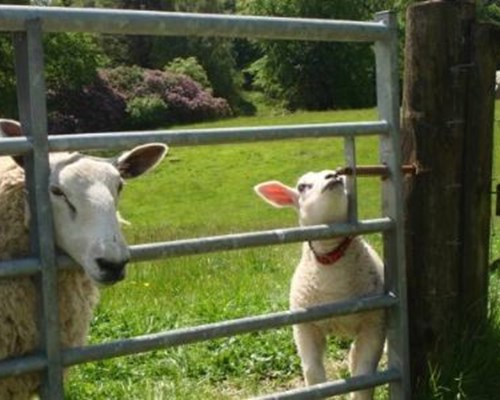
(253, 239)
(191, 137)
(21, 266)
(128, 22)
(333, 388)
(140, 344)
(175, 248)
(22, 365)
(14, 146)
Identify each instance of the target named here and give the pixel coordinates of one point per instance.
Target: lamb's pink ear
(140, 159)
(10, 128)
(277, 194)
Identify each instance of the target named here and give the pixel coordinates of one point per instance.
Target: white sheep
(84, 193)
(331, 270)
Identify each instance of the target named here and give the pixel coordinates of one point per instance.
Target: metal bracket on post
(32, 110)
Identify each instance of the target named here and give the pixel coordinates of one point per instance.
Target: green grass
(207, 190)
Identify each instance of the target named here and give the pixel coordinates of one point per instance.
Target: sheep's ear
(277, 194)
(140, 159)
(10, 128)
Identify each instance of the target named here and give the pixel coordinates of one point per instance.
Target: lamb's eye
(56, 191)
(303, 187)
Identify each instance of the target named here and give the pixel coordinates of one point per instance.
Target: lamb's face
(322, 198)
(84, 195)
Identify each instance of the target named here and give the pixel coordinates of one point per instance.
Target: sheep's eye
(56, 191)
(303, 187)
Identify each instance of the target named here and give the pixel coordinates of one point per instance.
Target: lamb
(331, 270)
(84, 193)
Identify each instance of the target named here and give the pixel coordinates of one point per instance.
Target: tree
(315, 75)
(71, 61)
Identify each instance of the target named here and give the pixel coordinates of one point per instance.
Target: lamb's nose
(111, 271)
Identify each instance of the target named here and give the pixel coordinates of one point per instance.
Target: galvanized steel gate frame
(27, 25)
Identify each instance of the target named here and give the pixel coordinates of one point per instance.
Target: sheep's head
(319, 197)
(84, 194)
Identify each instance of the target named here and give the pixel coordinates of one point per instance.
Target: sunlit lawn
(207, 190)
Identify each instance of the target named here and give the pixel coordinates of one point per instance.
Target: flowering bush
(185, 99)
(132, 98)
(94, 108)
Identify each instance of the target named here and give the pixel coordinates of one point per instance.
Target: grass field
(207, 190)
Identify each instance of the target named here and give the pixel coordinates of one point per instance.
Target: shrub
(146, 112)
(189, 67)
(184, 100)
(132, 98)
(95, 108)
(123, 78)
(189, 103)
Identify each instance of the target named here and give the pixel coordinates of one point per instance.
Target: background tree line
(298, 75)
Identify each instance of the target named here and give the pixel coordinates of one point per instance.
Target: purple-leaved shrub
(94, 108)
(133, 98)
(185, 99)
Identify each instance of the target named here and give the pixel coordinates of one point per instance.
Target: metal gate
(27, 25)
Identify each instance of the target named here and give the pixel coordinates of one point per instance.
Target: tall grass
(207, 190)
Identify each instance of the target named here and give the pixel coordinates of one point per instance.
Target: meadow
(207, 190)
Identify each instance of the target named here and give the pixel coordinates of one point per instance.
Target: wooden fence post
(447, 125)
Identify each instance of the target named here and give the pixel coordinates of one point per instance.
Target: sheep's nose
(111, 271)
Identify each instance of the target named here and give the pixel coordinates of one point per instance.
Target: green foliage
(471, 370)
(72, 60)
(316, 75)
(489, 10)
(8, 105)
(146, 112)
(191, 67)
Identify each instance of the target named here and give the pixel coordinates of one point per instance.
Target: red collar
(336, 254)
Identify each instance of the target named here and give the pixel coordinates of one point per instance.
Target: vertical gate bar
(386, 57)
(350, 159)
(33, 116)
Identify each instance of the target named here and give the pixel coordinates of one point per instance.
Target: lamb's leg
(311, 345)
(364, 356)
